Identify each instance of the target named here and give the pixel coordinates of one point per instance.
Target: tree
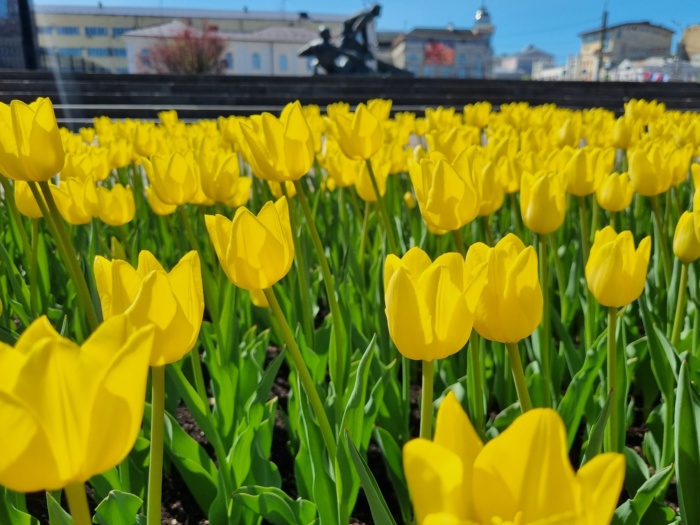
(190, 51)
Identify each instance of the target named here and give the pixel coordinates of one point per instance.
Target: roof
(615, 26)
(293, 35)
(170, 12)
(429, 33)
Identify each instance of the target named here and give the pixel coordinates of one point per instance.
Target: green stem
(515, 211)
(665, 257)
(612, 430)
(304, 375)
(585, 238)
(487, 230)
(516, 366)
(10, 200)
(155, 469)
(680, 307)
(381, 206)
(65, 247)
(475, 386)
(33, 270)
(546, 324)
(78, 504)
(459, 242)
(586, 250)
(328, 281)
(426, 400)
(304, 291)
(198, 376)
(696, 332)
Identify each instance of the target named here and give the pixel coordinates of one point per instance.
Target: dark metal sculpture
(355, 54)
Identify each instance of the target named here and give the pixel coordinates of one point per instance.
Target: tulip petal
(601, 481)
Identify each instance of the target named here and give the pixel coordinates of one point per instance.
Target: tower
(482, 23)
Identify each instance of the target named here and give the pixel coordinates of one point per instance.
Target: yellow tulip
(257, 297)
(446, 192)
(93, 164)
(510, 307)
(255, 252)
(478, 114)
(76, 200)
(542, 201)
(30, 143)
(116, 207)
(157, 206)
(453, 141)
(120, 153)
(281, 149)
(220, 179)
(623, 133)
(145, 139)
(70, 412)
(686, 245)
(615, 272)
(429, 305)
(87, 135)
(241, 194)
(172, 178)
(172, 302)
(615, 192)
(363, 183)
(342, 169)
(360, 134)
(276, 189)
(380, 108)
(647, 170)
(25, 201)
(521, 476)
(586, 169)
(410, 200)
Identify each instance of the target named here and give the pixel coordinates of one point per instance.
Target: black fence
(80, 96)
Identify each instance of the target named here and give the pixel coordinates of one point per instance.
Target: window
(256, 61)
(229, 60)
(462, 59)
(119, 52)
(445, 71)
(70, 51)
(284, 66)
(119, 31)
(44, 30)
(413, 57)
(98, 51)
(145, 57)
(67, 30)
(461, 72)
(96, 31)
(478, 67)
(428, 71)
(122, 70)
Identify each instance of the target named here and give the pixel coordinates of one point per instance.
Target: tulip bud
(255, 252)
(429, 305)
(542, 201)
(409, 200)
(31, 148)
(25, 201)
(615, 192)
(615, 272)
(511, 303)
(360, 134)
(115, 207)
(686, 245)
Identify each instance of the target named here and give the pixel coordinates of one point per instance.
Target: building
(17, 43)
(629, 41)
(656, 69)
(520, 65)
(268, 51)
(689, 45)
(448, 52)
(92, 38)
(570, 71)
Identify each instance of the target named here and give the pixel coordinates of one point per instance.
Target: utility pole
(603, 32)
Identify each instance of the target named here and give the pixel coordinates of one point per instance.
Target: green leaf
(687, 442)
(632, 511)
(10, 515)
(273, 505)
(580, 389)
(118, 508)
(353, 418)
(391, 454)
(380, 510)
(57, 515)
(595, 439)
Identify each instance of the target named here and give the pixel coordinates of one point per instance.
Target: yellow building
(90, 38)
(630, 41)
(690, 43)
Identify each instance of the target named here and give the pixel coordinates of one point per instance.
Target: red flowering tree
(190, 51)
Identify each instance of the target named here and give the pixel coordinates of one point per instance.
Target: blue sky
(552, 25)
